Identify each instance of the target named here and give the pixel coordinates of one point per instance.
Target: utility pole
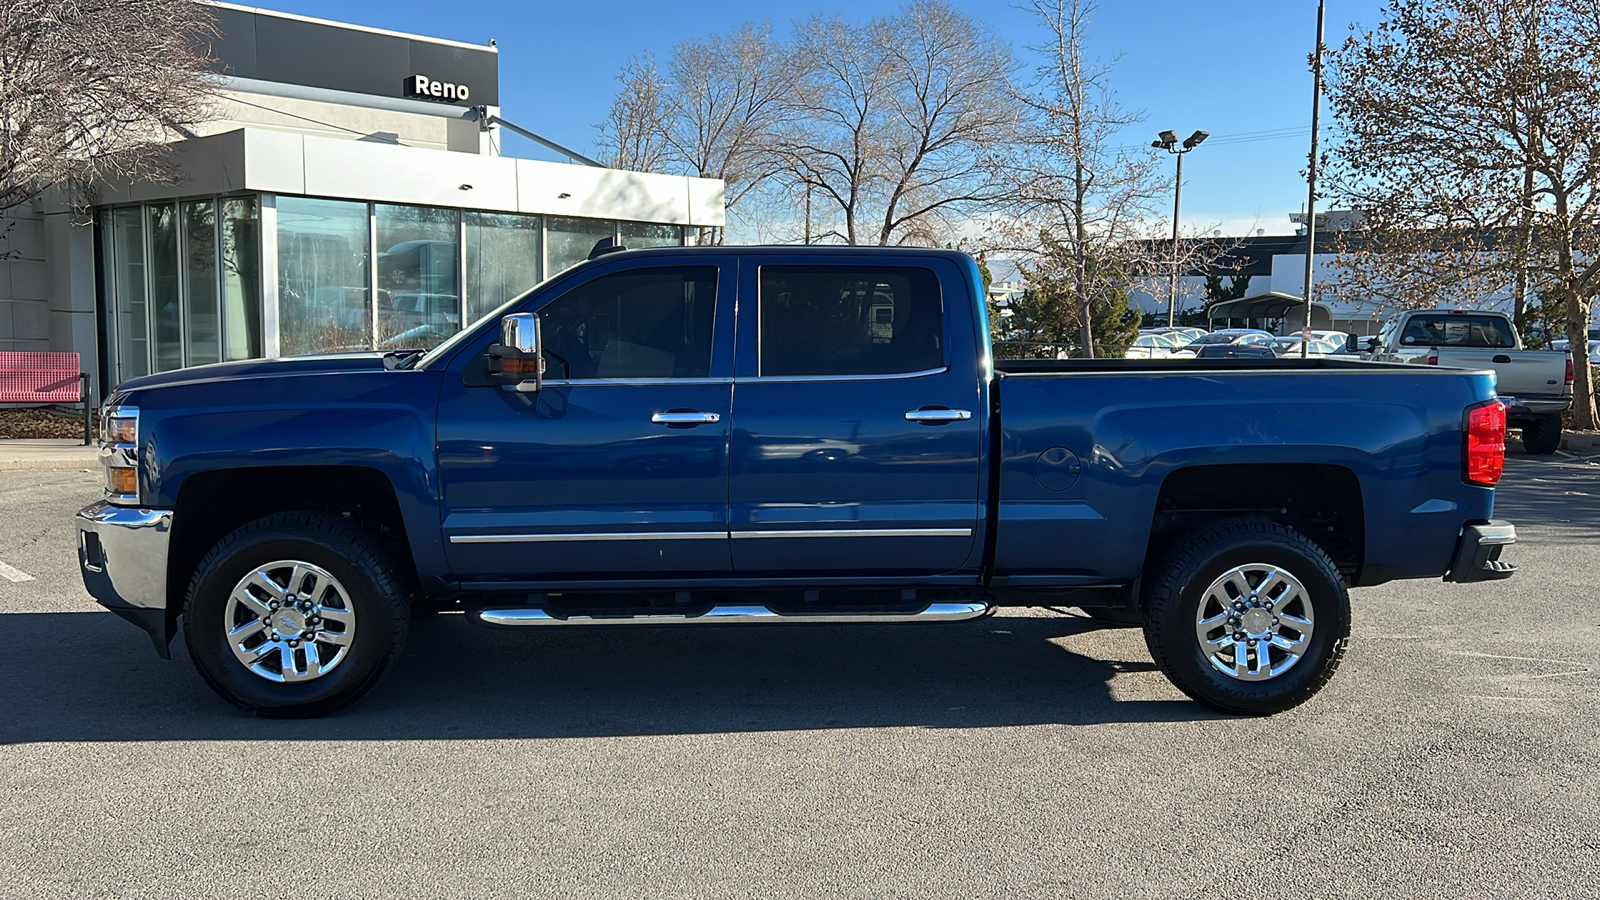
(1311, 180)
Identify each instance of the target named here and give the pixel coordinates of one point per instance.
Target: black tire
(1115, 615)
(1179, 584)
(1542, 436)
(377, 595)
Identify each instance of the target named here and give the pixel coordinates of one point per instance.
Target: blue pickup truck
(774, 436)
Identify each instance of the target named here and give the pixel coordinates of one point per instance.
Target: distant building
(1276, 264)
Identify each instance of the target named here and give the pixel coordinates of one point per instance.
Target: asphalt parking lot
(1456, 753)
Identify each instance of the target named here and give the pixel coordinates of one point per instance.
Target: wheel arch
(212, 504)
(1322, 501)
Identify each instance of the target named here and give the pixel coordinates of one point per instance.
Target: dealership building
(348, 193)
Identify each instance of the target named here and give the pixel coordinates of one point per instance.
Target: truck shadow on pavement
(100, 682)
(1537, 490)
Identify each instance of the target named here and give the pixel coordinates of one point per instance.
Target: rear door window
(850, 320)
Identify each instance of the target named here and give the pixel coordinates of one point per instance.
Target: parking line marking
(13, 574)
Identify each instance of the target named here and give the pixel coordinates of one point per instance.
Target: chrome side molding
(735, 615)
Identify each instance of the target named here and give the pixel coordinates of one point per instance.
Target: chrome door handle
(678, 417)
(938, 415)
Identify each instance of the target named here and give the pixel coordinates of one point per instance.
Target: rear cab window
(1456, 330)
(850, 321)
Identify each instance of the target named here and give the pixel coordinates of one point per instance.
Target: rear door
(855, 449)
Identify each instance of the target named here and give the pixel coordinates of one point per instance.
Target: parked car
(1536, 386)
(1236, 350)
(1290, 346)
(1231, 336)
(1563, 344)
(701, 435)
(1154, 345)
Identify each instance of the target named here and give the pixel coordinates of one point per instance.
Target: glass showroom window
(166, 296)
(638, 235)
(203, 334)
(419, 260)
(128, 310)
(570, 240)
(241, 278)
(322, 276)
(502, 260)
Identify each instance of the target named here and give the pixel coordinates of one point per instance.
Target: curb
(47, 465)
(1580, 443)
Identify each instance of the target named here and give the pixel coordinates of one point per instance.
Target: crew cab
(1536, 386)
(771, 436)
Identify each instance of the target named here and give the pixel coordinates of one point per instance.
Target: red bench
(44, 379)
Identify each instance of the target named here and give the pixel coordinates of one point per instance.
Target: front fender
(381, 420)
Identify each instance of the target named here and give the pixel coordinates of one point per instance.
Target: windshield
(1455, 330)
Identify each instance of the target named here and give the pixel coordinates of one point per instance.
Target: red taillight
(1433, 357)
(1485, 455)
(1569, 371)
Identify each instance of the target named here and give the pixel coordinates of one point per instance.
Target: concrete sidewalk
(47, 455)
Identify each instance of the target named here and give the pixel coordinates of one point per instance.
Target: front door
(856, 422)
(619, 466)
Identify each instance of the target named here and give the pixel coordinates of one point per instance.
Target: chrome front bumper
(122, 553)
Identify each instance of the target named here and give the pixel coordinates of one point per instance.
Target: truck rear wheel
(295, 614)
(1542, 436)
(1247, 616)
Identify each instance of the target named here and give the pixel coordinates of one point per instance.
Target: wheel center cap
(289, 623)
(1257, 621)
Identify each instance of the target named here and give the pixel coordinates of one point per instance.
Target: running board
(736, 615)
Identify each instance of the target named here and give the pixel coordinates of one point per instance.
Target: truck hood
(332, 364)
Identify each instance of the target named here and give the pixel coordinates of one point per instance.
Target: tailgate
(1520, 372)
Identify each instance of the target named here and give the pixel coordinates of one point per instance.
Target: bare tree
(634, 134)
(734, 91)
(92, 89)
(899, 121)
(714, 115)
(1471, 147)
(1084, 202)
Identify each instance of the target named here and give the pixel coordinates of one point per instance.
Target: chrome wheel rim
(1255, 622)
(289, 621)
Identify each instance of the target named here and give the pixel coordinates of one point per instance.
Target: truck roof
(792, 250)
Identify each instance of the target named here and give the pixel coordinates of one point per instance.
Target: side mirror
(516, 359)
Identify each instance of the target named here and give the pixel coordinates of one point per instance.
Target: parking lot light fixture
(1168, 141)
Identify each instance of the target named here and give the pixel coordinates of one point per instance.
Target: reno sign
(431, 89)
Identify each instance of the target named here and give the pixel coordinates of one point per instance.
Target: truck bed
(1087, 446)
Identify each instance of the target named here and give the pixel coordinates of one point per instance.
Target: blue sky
(1236, 68)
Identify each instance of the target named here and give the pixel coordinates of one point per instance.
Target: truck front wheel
(295, 614)
(1247, 616)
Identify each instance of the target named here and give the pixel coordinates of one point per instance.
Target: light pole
(1168, 141)
(1311, 183)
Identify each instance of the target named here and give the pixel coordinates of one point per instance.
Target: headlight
(119, 453)
(118, 427)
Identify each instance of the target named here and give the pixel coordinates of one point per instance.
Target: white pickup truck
(1536, 385)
